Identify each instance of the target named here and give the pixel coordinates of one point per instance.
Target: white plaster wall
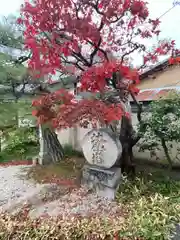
(72, 136)
(64, 136)
(75, 136)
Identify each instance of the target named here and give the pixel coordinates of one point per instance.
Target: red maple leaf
(64, 35)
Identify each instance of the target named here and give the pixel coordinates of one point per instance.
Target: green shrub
(161, 127)
(153, 205)
(79, 229)
(19, 142)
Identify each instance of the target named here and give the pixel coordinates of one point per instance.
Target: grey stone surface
(176, 234)
(104, 181)
(101, 148)
(106, 192)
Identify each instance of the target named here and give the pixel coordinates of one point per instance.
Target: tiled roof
(155, 93)
(145, 95)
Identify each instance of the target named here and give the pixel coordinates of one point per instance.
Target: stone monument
(102, 149)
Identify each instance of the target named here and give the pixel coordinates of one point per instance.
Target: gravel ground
(79, 202)
(12, 186)
(16, 192)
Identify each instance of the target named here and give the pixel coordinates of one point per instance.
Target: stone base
(104, 181)
(176, 234)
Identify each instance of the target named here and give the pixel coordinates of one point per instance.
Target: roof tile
(161, 93)
(154, 94)
(145, 95)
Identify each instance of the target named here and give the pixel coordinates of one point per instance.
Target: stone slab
(176, 234)
(106, 192)
(104, 181)
(101, 148)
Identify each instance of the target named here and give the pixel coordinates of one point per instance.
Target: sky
(170, 21)
(169, 24)
(9, 7)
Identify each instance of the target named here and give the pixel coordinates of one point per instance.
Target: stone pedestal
(102, 150)
(104, 181)
(176, 233)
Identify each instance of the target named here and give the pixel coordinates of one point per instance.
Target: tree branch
(95, 51)
(80, 57)
(22, 59)
(73, 63)
(139, 106)
(139, 117)
(95, 6)
(127, 53)
(99, 49)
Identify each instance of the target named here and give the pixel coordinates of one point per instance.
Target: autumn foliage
(63, 111)
(82, 37)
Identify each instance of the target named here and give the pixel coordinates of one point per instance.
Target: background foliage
(19, 143)
(162, 125)
(10, 71)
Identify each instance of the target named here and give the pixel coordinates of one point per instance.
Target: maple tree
(80, 37)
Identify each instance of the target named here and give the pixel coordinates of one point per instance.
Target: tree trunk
(126, 138)
(0, 143)
(166, 152)
(51, 150)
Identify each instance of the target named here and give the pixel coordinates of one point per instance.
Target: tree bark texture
(0, 143)
(126, 138)
(51, 150)
(166, 152)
